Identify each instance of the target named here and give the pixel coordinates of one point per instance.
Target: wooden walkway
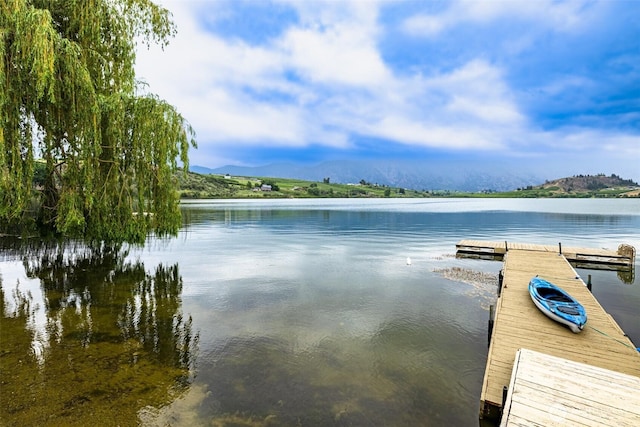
(519, 324)
(549, 391)
(623, 257)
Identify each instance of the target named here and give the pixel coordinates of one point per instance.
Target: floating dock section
(518, 324)
(623, 258)
(550, 391)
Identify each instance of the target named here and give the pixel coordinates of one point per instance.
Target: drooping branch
(67, 70)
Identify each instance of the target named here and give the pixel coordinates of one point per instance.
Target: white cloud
(466, 108)
(204, 76)
(344, 87)
(340, 55)
(235, 92)
(427, 25)
(477, 90)
(592, 140)
(323, 81)
(563, 15)
(434, 134)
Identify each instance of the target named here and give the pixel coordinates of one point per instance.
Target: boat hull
(557, 304)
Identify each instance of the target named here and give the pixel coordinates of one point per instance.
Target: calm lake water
(283, 312)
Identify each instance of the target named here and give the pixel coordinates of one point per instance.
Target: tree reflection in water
(114, 339)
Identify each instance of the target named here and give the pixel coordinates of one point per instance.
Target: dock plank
(519, 324)
(551, 391)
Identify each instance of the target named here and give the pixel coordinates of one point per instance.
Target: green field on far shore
(199, 186)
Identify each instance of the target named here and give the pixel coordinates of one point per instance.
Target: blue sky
(548, 83)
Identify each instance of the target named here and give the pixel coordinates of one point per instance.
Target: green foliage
(109, 151)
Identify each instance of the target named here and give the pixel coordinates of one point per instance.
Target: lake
(282, 312)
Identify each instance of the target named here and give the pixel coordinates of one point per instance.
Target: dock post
(560, 247)
(506, 247)
(589, 283)
(505, 389)
(500, 280)
(491, 320)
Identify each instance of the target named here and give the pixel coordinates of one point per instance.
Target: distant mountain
(410, 175)
(201, 170)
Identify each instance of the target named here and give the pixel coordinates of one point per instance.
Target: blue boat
(557, 304)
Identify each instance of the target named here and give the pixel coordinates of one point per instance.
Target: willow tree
(71, 107)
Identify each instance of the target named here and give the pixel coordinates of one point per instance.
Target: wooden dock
(519, 324)
(623, 258)
(550, 391)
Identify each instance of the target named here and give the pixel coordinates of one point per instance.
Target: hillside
(195, 185)
(209, 186)
(591, 185)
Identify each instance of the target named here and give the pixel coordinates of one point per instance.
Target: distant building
(265, 187)
(227, 176)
